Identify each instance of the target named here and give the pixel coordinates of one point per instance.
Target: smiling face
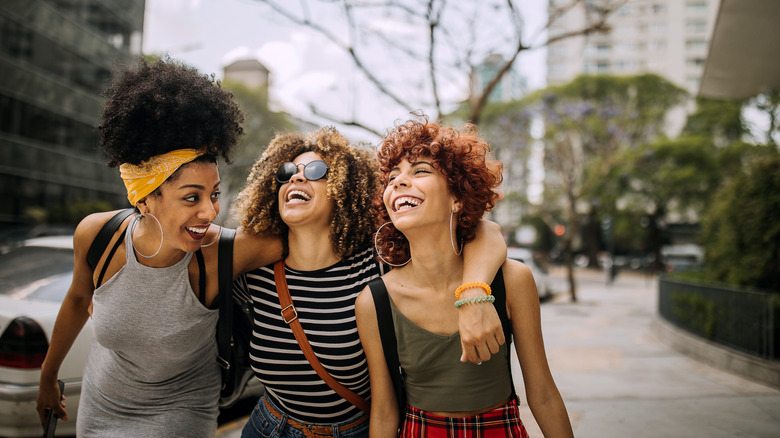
(417, 195)
(304, 202)
(186, 205)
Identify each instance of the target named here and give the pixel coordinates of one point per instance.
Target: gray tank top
(436, 380)
(151, 369)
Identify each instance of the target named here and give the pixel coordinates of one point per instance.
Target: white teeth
(405, 202)
(198, 230)
(297, 194)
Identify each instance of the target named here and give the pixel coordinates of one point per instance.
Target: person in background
(315, 193)
(438, 184)
(152, 368)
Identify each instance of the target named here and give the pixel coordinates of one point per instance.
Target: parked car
(34, 278)
(541, 275)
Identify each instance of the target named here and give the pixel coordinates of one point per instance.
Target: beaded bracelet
(469, 285)
(485, 299)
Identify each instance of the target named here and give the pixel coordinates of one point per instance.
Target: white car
(541, 276)
(34, 279)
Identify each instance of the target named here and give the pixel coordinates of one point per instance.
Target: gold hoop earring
(452, 238)
(380, 255)
(219, 234)
(162, 238)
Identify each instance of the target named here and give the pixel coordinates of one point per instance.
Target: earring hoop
(162, 238)
(380, 254)
(219, 234)
(452, 239)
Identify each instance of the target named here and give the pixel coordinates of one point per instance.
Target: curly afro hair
(460, 156)
(353, 183)
(154, 108)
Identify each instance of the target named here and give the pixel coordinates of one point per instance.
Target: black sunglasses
(312, 171)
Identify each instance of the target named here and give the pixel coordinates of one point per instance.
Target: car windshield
(36, 273)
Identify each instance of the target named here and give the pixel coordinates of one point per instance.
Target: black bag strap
(201, 277)
(225, 279)
(103, 237)
(103, 270)
(384, 318)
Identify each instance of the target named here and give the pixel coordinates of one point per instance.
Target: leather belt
(314, 430)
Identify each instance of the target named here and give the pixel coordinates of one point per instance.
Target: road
(619, 380)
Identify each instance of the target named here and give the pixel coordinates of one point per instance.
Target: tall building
(666, 37)
(56, 57)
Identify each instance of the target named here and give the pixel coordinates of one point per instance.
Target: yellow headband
(141, 180)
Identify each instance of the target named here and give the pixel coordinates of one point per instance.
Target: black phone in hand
(51, 418)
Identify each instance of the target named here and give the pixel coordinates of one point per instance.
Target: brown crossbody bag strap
(290, 316)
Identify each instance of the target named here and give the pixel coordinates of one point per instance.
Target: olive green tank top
(436, 379)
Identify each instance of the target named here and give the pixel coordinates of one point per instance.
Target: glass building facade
(56, 57)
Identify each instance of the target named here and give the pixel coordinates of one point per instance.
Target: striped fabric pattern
(502, 422)
(325, 301)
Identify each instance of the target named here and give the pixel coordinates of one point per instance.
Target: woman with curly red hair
(438, 185)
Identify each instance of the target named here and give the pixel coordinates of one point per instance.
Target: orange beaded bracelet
(469, 285)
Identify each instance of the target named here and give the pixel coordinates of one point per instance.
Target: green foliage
(695, 312)
(71, 213)
(260, 126)
(741, 229)
(720, 120)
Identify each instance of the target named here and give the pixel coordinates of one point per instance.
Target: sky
(210, 34)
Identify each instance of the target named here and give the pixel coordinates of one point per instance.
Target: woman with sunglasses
(315, 192)
(438, 184)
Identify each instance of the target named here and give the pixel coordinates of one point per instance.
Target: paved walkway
(619, 380)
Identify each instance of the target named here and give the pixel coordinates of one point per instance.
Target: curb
(747, 366)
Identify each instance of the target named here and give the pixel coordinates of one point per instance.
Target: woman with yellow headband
(152, 369)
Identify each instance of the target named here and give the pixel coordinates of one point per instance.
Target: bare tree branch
(335, 119)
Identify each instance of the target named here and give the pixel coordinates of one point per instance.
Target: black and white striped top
(325, 301)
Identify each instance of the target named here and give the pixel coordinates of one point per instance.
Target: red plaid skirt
(500, 422)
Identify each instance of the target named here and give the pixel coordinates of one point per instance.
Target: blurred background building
(666, 37)
(56, 57)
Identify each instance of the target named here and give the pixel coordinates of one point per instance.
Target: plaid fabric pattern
(498, 423)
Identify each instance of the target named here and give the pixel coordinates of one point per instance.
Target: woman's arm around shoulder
(523, 309)
(384, 410)
(252, 251)
(479, 326)
(72, 316)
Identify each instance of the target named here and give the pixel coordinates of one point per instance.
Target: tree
(741, 229)
(260, 126)
(588, 122)
(420, 54)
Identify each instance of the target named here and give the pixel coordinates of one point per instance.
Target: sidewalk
(619, 380)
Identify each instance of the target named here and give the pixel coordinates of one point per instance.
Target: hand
(480, 329)
(47, 399)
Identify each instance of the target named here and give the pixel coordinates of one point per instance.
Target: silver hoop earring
(219, 234)
(452, 238)
(162, 238)
(380, 255)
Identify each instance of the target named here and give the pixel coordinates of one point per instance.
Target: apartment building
(666, 37)
(56, 57)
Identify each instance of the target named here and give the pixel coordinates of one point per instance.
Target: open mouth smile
(297, 196)
(405, 203)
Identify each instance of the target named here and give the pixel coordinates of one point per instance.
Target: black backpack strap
(225, 279)
(499, 291)
(103, 270)
(384, 318)
(103, 237)
(201, 277)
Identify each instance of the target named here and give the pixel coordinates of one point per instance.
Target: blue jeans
(263, 424)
